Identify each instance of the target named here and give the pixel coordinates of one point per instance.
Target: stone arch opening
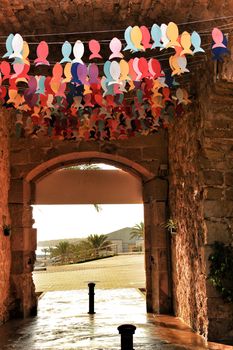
(157, 257)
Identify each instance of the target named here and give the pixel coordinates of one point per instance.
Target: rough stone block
(213, 177)
(229, 178)
(131, 153)
(229, 194)
(217, 231)
(153, 153)
(20, 156)
(218, 209)
(214, 193)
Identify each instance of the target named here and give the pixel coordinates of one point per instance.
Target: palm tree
(62, 249)
(95, 243)
(137, 231)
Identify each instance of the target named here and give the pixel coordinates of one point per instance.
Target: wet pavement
(63, 323)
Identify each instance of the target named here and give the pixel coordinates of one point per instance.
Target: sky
(78, 221)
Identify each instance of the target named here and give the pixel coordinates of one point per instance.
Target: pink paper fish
(218, 37)
(115, 46)
(145, 37)
(42, 54)
(94, 47)
(18, 68)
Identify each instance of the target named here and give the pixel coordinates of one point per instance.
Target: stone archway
(157, 257)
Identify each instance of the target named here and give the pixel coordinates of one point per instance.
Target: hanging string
(117, 30)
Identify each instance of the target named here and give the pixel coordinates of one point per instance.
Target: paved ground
(64, 324)
(124, 271)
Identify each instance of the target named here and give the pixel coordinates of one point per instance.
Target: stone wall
(217, 166)
(5, 253)
(201, 201)
(186, 208)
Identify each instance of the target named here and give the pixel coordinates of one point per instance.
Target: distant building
(124, 242)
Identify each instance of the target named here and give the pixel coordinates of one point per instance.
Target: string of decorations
(79, 101)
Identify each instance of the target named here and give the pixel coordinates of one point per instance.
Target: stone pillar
(23, 246)
(157, 256)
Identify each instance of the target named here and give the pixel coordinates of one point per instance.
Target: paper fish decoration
(67, 73)
(145, 37)
(42, 54)
(219, 51)
(17, 46)
(9, 46)
(78, 51)
(164, 38)
(174, 64)
(107, 73)
(180, 95)
(40, 85)
(218, 37)
(143, 67)
(156, 35)
(124, 67)
(186, 43)
(25, 53)
(115, 46)
(196, 42)
(136, 69)
(132, 73)
(82, 73)
(130, 46)
(182, 62)
(172, 34)
(5, 69)
(57, 77)
(94, 47)
(93, 72)
(154, 68)
(186, 99)
(136, 38)
(18, 68)
(66, 51)
(115, 72)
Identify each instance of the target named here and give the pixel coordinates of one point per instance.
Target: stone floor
(64, 324)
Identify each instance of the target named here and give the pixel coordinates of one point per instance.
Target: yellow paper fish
(12, 95)
(186, 44)
(174, 65)
(131, 85)
(136, 38)
(124, 67)
(25, 53)
(87, 90)
(172, 34)
(67, 73)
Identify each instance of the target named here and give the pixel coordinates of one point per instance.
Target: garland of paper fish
(76, 101)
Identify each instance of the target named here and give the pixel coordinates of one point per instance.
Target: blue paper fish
(9, 46)
(218, 52)
(156, 35)
(127, 35)
(41, 86)
(66, 51)
(196, 42)
(74, 73)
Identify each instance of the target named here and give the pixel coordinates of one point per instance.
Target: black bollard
(91, 286)
(126, 331)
